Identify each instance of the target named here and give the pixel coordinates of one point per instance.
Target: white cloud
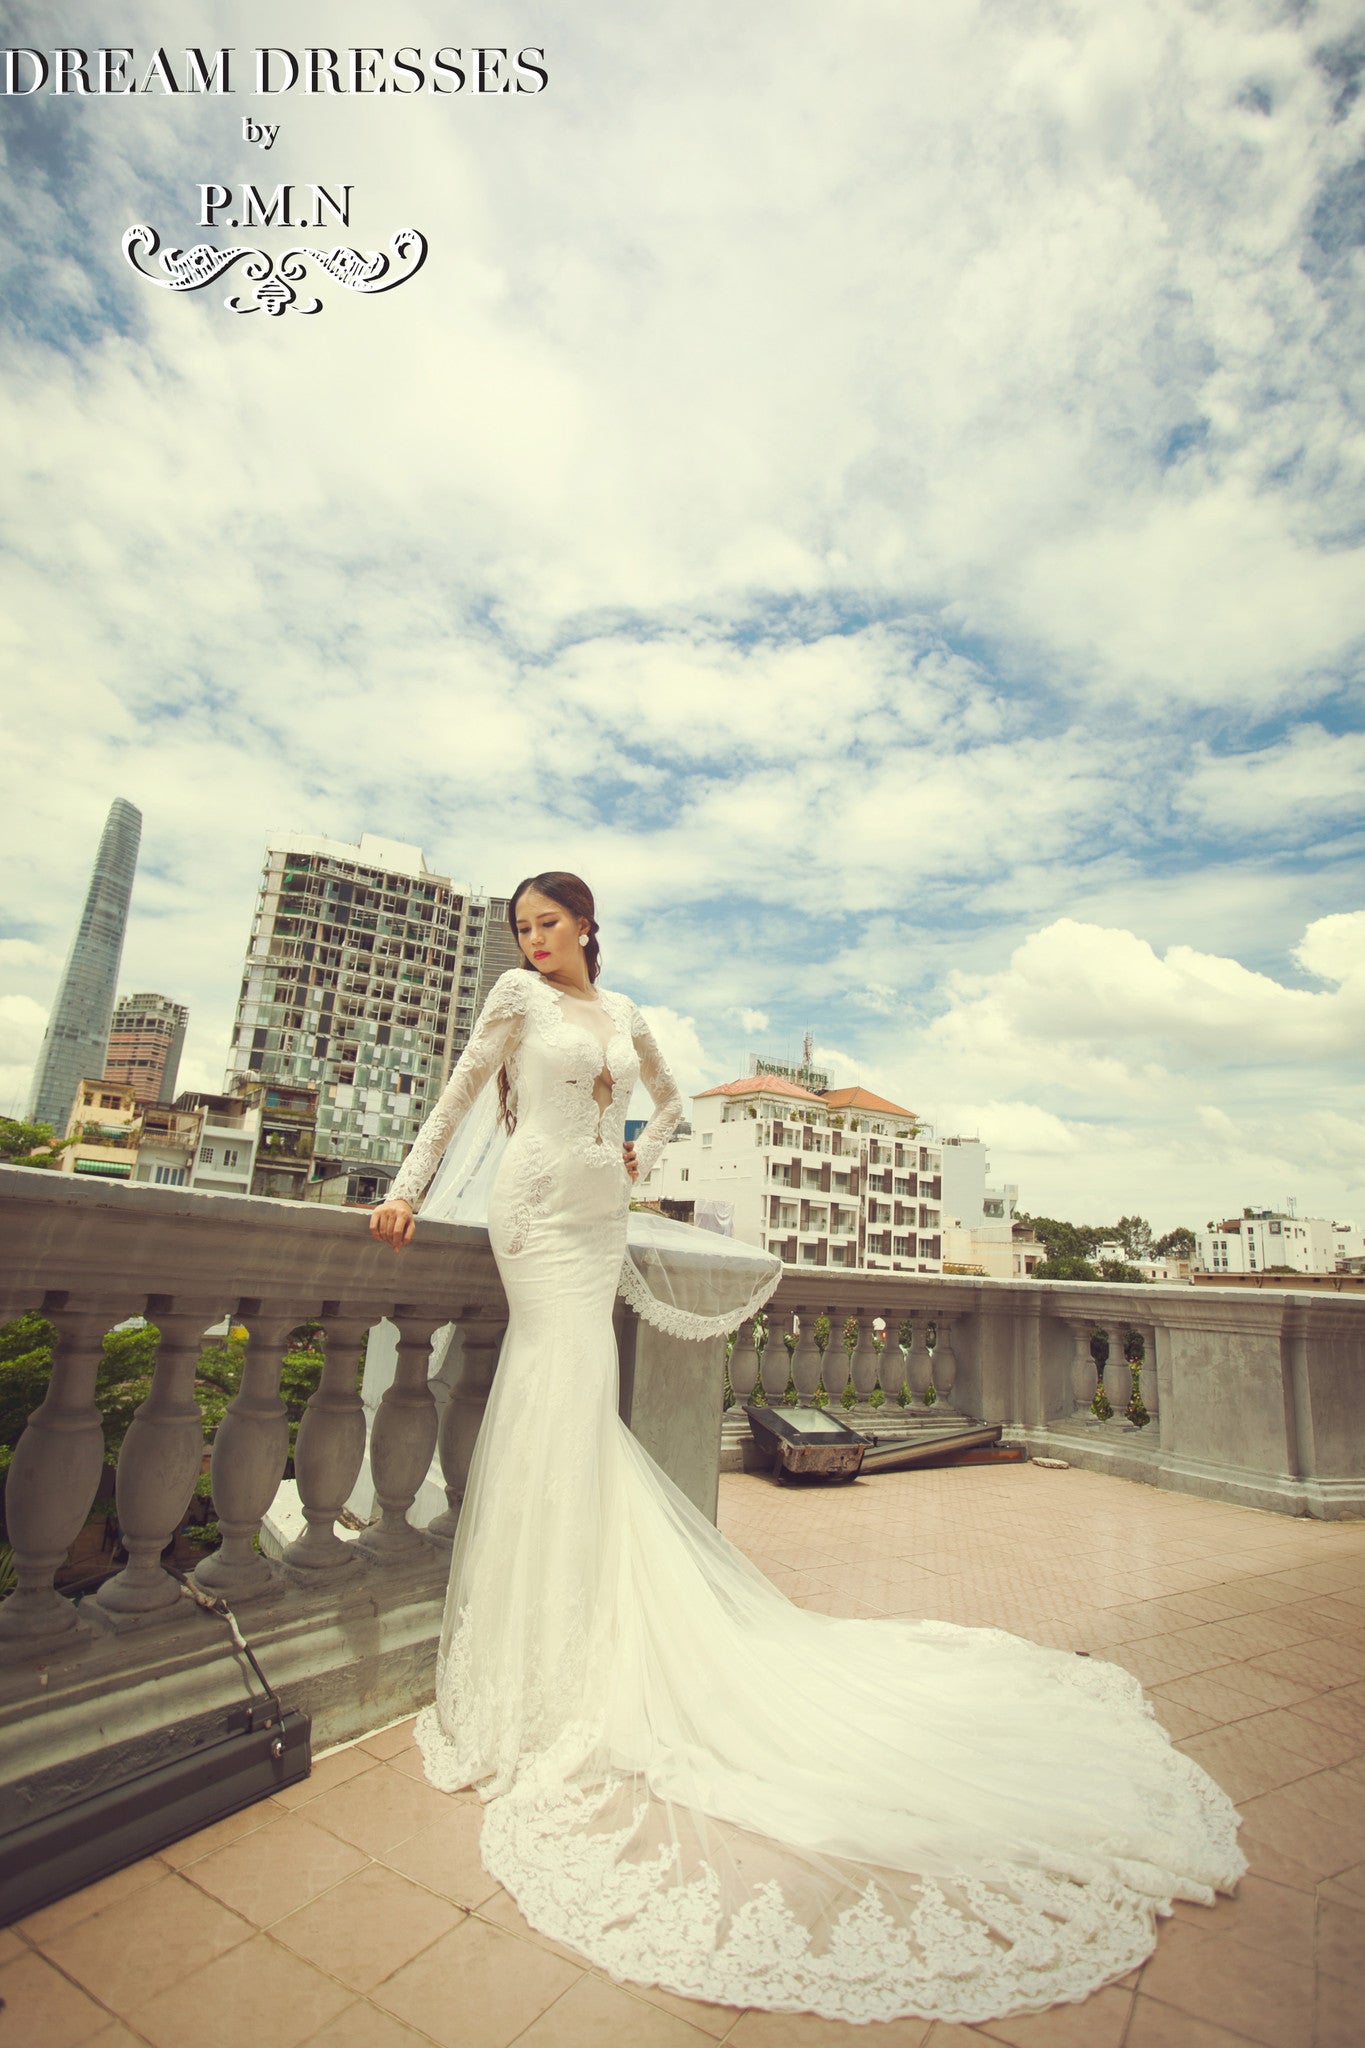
(1333, 948)
(1294, 788)
(22, 1022)
(752, 1020)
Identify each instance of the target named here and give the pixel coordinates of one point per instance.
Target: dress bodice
(572, 1065)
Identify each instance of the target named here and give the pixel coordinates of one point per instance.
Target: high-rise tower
(77, 1035)
(145, 1043)
(360, 982)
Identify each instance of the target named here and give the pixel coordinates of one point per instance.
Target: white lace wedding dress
(688, 1779)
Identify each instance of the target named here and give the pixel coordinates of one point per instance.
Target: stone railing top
(865, 1294)
(125, 1242)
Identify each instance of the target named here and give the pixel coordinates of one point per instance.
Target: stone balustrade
(1257, 1399)
(345, 1621)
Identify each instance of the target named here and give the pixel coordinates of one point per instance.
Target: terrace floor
(353, 1911)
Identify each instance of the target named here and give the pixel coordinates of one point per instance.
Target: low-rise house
(169, 1145)
(288, 1135)
(106, 1124)
(226, 1158)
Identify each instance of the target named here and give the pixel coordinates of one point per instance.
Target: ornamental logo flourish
(273, 279)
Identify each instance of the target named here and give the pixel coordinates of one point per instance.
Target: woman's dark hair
(572, 893)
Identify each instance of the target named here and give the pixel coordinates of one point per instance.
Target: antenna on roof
(806, 1048)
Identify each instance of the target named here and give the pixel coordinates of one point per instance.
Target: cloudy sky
(877, 490)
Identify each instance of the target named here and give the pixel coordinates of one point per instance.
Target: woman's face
(548, 935)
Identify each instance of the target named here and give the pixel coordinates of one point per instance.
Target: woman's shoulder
(511, 993)
(620, 1004)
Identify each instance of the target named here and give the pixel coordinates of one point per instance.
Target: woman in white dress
(687, 1778)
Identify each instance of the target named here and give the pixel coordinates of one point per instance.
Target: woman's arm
(664, 1092)
(490, 1043)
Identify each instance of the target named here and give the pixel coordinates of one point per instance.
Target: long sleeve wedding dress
(688, 1779)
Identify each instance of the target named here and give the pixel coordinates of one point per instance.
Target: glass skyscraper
(77, 1036)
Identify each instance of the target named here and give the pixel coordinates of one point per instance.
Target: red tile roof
(762, 1084)
(862, 1098)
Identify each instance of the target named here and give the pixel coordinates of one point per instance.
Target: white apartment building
(360, 980)
(230, 1131)
(1260, 1240)
(837, 1179)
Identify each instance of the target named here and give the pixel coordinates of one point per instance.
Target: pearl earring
(582, 938)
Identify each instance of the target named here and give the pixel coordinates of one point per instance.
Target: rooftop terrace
(353, 1911)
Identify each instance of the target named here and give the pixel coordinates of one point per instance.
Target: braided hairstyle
(572, 893)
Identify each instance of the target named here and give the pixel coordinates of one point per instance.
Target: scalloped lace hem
(681, 1322)
(1012, 1938)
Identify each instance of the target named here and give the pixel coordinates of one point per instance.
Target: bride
(688, 1779)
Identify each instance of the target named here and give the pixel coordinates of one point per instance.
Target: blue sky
(879, 496)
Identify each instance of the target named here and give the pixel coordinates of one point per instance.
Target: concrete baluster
(1118, 1375)
(744, 1366)
(329, 1449)
(403, 1437)
(945, 1364)
(805, 1363)
(160, 1460)
(55, 1471)
(480, 1344)
(1084, 1378)
(920, 1366)
(249, 1454)
(1150, 1390)
(864, 1360)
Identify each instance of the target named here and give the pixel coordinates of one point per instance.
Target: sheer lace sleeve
(664, 1092)
(490, 1043)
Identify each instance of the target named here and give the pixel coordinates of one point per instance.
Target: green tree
(25, 1144)
(1134, 1233)
(1065, 1266)
(1064, 1240)
(124, 1379)
(1179, 1243)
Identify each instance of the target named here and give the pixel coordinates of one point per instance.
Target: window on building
(705, 1139)
(684, 1173)
(230, 1156)
(206, 1155)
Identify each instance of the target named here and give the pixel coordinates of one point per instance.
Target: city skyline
(762, 1051)
(883, 507)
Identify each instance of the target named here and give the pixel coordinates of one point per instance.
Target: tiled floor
(353, 1912)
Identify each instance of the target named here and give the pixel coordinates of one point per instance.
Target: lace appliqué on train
(965, 1949)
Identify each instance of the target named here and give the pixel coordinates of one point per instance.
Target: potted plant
(905, 1338)
(1100, 1405)
(1135, 1351)
(791, 1397)
(877, 1398)
(849, 1397)
(759, 1398)
(820, 1332)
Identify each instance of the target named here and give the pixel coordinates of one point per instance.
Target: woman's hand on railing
(393, 1222)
